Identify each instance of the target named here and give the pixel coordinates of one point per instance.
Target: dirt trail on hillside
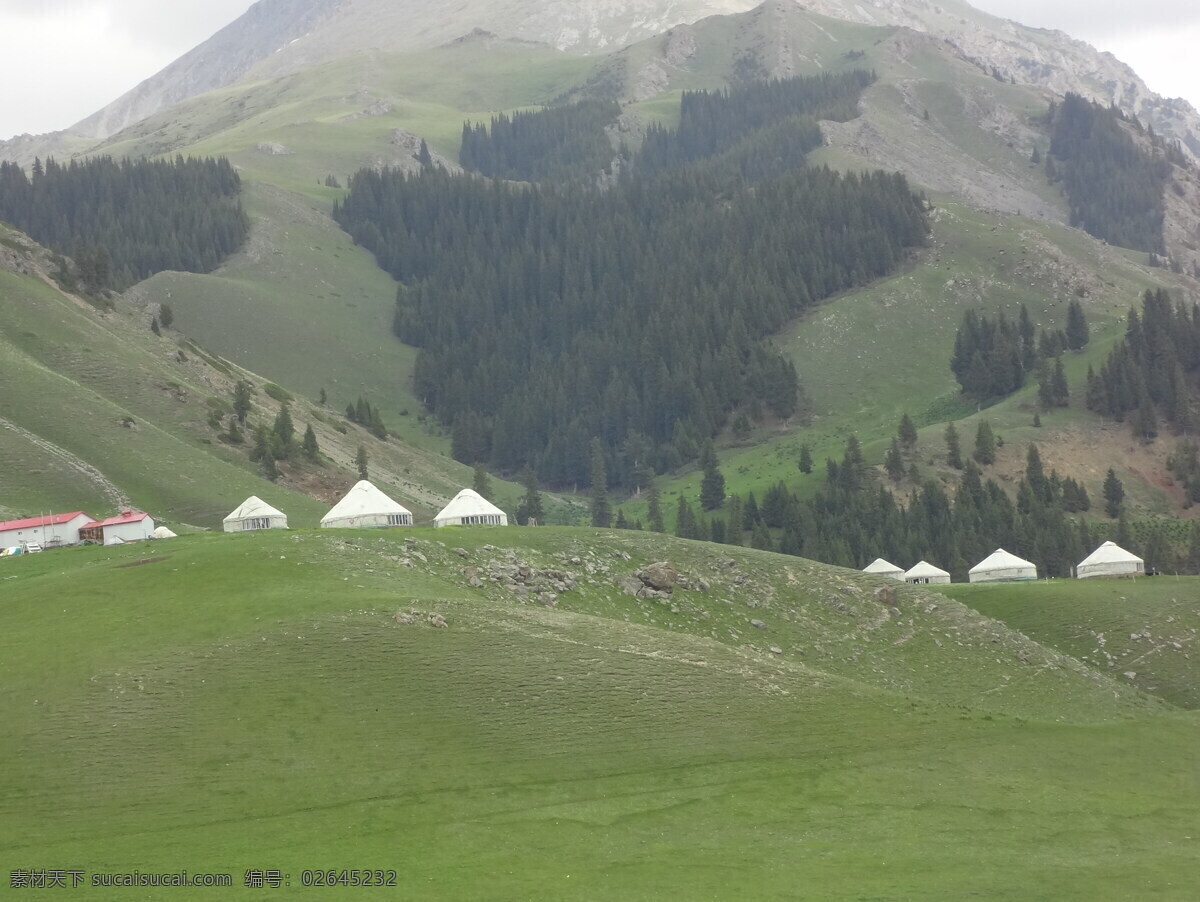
(118, 498)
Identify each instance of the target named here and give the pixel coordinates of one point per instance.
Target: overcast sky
(61, 60)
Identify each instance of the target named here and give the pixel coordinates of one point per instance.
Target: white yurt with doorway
(254, 514)
(366, 507)
(925, 573)
(1000, 566)
(1110, 559)
(880, 567)
(469, 508)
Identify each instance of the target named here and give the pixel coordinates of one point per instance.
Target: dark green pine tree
(284, 430)
(907, 433)
(761, 538)
(654, 514)
(985, 444)
(806, 460)
(601, 508)
(166, 316)
(1028, 334)
(1124, 536)
(712, 485)
(241, 400)
(893, 461)
(1059, 389)
(1095, 398)
(734, 527)
(1114, 494)
(481, 482)
(529, 511)
(424, 157)
(621, 522)
(1077, 327)
(361, 462)
(1145, 422)
(309, 445)
(685, 520)
(1045, 377)
(953, 447)
(1192, 561)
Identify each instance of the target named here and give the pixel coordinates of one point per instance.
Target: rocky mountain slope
(276, 37)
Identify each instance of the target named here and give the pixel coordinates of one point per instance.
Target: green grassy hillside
(865, 357)
(219, 703)
(1142, 630)
(100, 413)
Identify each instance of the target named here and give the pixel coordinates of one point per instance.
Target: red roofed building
(49, 531)
(128, 526)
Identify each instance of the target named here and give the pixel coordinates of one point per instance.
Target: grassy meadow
(219, 703)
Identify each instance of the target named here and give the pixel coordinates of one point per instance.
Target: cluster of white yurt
(469, 508)
(1110, 559)
(365, 507)
(920, 573)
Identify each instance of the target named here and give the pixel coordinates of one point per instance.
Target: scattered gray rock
(272, 147)
(661, 576)
(776, 650)
(1130, 675)
(630, 585)
(437, 620)
(758, 624)
(549, 599)
(885, 595)
(472, 575)
(405, 619)
(461, 552)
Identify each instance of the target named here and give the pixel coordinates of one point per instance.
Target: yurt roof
(254, 507)
(879, 565)
(1001, 560)
(1110, 553)
(362, 500)
(468, 503)
(925, 569)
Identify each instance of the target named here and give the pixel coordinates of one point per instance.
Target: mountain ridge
(276, 37)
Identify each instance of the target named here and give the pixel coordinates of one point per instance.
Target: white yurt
(253, 514)
(925, 572)
(880, 567)
(469, 508)
(1110, 559)
(1000, 566)
(365, 507)
(163, 533)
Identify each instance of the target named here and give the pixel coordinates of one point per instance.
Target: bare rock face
(661, 576)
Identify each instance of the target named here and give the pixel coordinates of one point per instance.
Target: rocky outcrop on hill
(267, 27)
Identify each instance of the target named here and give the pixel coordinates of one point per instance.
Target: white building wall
(997, 576)
(51, 536)
(365, 521)
(129, 532)
(241, 525)
(1111, 568)
(927, 580)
